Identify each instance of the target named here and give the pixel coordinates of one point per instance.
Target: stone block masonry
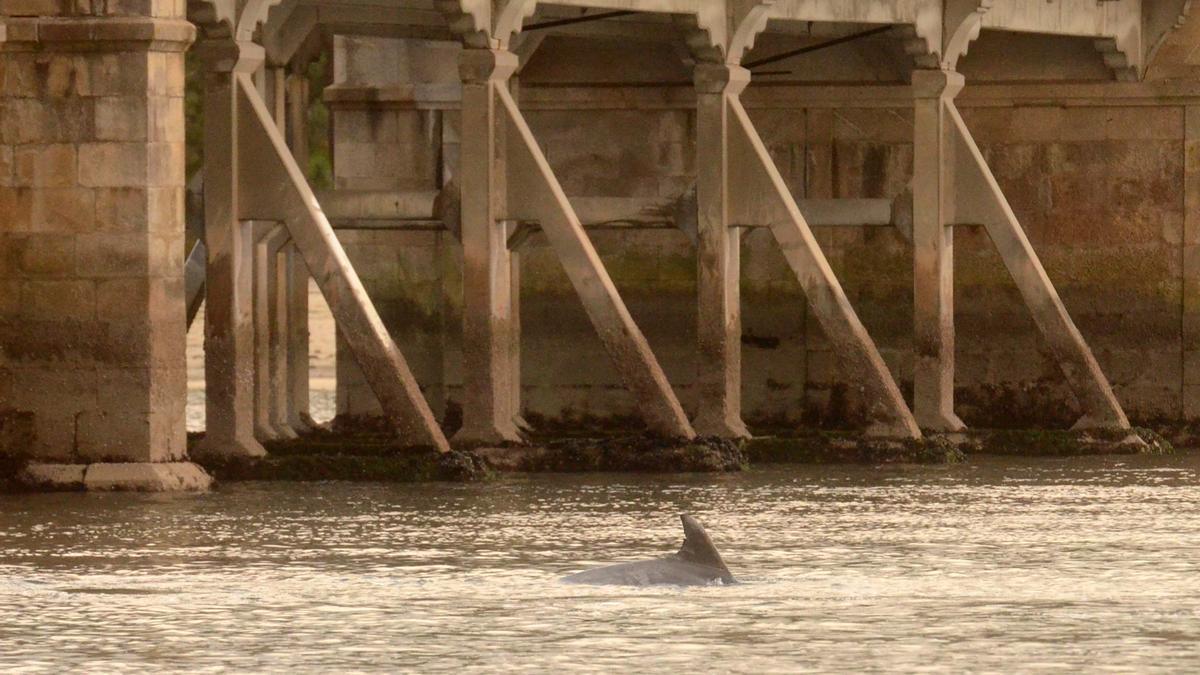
(92, 322)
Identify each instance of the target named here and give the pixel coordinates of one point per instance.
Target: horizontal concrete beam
(763, 95)
(378, 204)
(388, 210)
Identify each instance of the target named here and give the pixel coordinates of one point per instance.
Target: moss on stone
(1069, 443)
(846, 448)
(635, 454)
(393, 465)
(378, 457)
(12, 464)
(371, 455)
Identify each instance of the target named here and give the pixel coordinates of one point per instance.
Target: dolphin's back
(669, 571)
(698, 563)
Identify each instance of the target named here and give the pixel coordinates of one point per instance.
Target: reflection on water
(1043, 565)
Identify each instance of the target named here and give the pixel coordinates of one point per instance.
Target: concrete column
(229, 315)
(296, 92)
(279, 309)
(277, 101)
(719, 329)
(514, 341)
(1190, 405)
(270, 332)
(487, 292)
(92, 317)
(933, 251)
(298, 370)
(514, 309)
(297, 111)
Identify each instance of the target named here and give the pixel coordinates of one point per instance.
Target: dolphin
(696, 564)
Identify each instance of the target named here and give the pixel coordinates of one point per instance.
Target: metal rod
(578, 19)
(817, 47)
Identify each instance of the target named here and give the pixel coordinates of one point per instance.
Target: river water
(999, 564)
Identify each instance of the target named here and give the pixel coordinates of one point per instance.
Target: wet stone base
(1066, 443)
(353, 458)
(12, 466)
(18, 474)
(378, 456)
(635, 454)
(829, 447)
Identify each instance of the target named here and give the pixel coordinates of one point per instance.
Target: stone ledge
(1065, 442)
(378, 456)
(827, 447)
(98, 34)
(831, 447)
(426, 96)
(106, 477)
(622, 454)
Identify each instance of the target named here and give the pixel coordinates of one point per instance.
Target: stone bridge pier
(694, 217)
(92, 377)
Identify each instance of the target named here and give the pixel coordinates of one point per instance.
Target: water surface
(1036, 565)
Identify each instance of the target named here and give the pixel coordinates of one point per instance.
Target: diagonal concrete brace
(279, 188)
(194, 270)
(980, 200)
(763, 197)
(535, 194)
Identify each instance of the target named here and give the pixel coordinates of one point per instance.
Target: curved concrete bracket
(746, 28)
(962, 22)
(510, 18)
(471, 20)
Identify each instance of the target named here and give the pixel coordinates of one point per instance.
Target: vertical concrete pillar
(279, 308)
(514, 342)
(297, 111)
(298, 405)
(92, 316)
(299, 418)
(263, 233)
(514, 309)
(1190, 405)
(487, 290)
(933, 251)
(229, 312)
(719, 328)
(278, 98)
(270, 331)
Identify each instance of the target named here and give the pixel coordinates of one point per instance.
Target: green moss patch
(1069, 443)
(325, 456)
(637, 454)
(12, 465)
(849, 448)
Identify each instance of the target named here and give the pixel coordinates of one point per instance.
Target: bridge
(695, 212)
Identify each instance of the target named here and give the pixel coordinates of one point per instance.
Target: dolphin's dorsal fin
(698, 548)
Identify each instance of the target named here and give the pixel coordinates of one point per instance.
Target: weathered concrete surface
(934, 193)
(718, 256)
(92, 319)
(229, 277)
(488, 413)
(1099, 174)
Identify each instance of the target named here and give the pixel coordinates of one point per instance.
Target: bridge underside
(706, 220)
